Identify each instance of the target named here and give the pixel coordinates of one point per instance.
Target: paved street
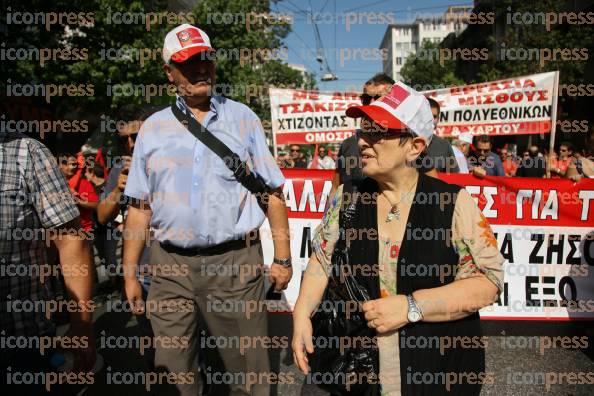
(503, 358)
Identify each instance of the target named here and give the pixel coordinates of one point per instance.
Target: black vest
(426, 257)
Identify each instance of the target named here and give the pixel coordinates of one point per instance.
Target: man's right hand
(134, 235)
(134, 295)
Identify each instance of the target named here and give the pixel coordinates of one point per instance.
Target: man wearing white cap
(208, 255)
(461, 147)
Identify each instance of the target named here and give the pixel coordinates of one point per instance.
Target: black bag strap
(348, 209)
(241, 171)
(350, 288)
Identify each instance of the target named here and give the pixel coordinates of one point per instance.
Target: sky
(351, 32)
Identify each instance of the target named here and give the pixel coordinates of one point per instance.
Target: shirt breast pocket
(14, 198)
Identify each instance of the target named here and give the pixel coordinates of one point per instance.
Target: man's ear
(167, 70)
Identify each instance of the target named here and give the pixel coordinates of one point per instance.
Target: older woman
(437, 259)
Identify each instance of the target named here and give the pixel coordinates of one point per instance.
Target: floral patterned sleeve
(475, 243)
(326, 234)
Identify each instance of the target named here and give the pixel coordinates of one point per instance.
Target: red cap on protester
(184, 42)
(402, 108)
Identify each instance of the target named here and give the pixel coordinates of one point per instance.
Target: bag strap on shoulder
(241, 171)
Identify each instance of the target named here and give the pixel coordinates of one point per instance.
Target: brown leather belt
(247, 240)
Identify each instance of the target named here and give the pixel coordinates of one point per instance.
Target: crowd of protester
(470, 155)
(563, 163)
(322, 158)
(97, 179)
(97, 186)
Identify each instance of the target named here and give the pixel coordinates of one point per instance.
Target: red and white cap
(183, 42)
(402, 108)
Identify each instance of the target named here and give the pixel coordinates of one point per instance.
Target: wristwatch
(284, 262)
(414, 312)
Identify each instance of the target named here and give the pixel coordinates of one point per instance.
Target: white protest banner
(514, 106)
(311, 117)
(544, 230)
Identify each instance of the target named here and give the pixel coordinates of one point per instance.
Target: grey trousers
(222, 290)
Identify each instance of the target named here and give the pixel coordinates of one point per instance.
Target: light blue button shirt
(195, 199)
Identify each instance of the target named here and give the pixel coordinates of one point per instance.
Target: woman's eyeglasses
(367, 99)
(376, 131)
(378, 135)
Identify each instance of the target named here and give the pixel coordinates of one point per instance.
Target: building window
(399, 61)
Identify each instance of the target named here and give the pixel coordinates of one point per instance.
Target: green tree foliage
(121, 62)
(515, 49)
(425, 70)
(521, 43)
(110, 66)
(521, 47)
(95, 63)
(251, 56)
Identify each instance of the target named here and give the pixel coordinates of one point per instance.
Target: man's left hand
(280, 276)
(386, 314)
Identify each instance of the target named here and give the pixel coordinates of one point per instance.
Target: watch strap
(412, 305)
(284, 262)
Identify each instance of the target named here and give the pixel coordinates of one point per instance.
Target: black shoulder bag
(355, 369)
(241, 171)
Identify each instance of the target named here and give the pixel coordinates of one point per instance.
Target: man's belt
(247, 240)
